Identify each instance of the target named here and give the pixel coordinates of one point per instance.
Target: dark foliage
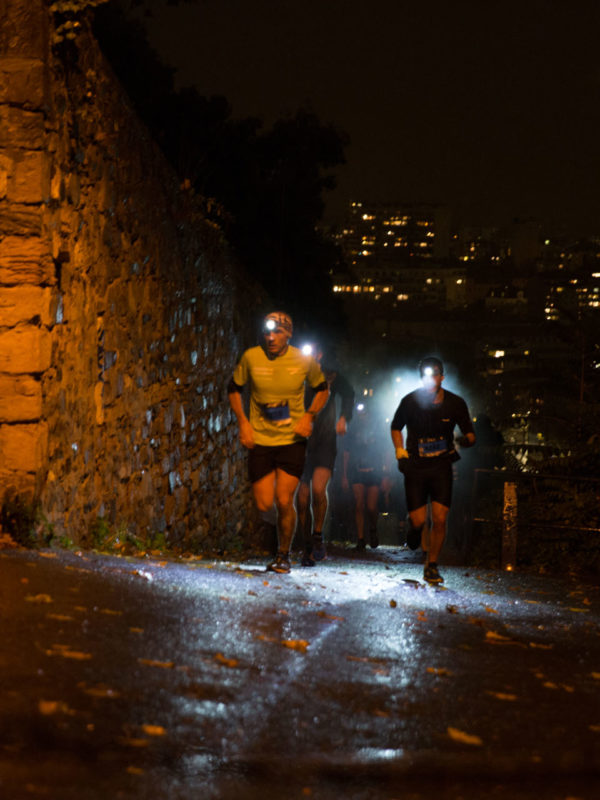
(268, 184)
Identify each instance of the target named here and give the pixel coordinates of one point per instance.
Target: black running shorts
(263, 459)
(319, 455)
(428, 482)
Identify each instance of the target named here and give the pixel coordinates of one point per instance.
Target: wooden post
(509, 527)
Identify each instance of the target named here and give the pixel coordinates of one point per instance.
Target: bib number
(277, 413)
(430, 448)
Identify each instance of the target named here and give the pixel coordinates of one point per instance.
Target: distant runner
(430, 415)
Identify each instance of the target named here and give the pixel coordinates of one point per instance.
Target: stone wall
(121, 312)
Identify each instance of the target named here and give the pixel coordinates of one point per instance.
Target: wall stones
(120, 311)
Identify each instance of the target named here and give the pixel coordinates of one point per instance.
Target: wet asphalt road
(138, 678)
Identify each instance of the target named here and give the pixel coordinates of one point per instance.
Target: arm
(346, 393)
(401, 452)
(305, 423)
(466, 426)
(234, 395)
(468, 440)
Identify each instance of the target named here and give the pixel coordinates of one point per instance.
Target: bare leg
(372, 507)
(302, 504)
(285, 489)
(263, 492)
(320, 481)
(358, 490)
(437, 535)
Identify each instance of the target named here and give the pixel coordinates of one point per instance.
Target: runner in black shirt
(430, 415)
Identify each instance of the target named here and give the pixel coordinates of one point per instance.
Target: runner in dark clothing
(430, 415)
(320, 458)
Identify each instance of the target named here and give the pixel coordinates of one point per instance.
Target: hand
(340, 427)
(304, 426)
(402, 458)
(246, 435)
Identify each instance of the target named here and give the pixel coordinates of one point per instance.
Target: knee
(262, 505)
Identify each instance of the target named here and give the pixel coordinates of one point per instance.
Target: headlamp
(270, 325)
(308, 349)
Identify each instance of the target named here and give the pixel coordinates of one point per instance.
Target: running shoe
(373, 539)
(431, 574)
(307, 560)
(361, 545)
(281, 564)
(319, 550)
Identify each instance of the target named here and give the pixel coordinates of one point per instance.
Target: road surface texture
(188, 678)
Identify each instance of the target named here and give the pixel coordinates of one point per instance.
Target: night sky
(491, 107)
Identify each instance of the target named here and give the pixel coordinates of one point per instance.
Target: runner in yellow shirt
(278, 426)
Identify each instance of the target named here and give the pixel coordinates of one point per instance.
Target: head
(277, 331)
(431, 371)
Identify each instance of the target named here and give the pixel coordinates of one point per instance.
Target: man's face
(276, 340)
(432, 378)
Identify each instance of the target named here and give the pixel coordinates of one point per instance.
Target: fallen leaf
(579, 610)
(323, 615)
(64, 651)
(422, 616)
(502, 695)
(47, 707)
(541, 646)
(464, 738)
(154, 730)
(148, 662)
(452, 609)
(379, 713)
(490, 610)
(227, 662)
(393, 604)
(135, 770)
(110, 612)
(442, 671)
(497, 638)
(38, 598)
(296, 644)
(48, 555)
(136, 630)
(60, 617)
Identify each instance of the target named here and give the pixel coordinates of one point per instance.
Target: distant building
(381, 236)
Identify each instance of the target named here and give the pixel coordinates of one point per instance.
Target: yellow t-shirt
(276, 391)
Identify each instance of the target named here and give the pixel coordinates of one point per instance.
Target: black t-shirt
(325, 422)
(430, 426)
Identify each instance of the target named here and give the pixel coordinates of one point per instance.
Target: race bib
(277, 413)
(429, 448)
